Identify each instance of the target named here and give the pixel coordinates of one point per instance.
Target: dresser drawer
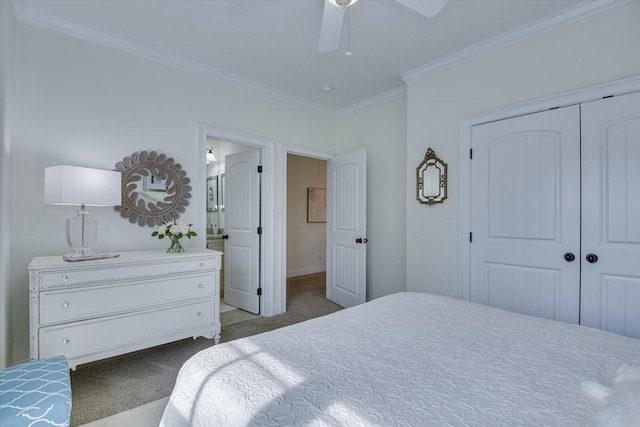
(98, 273)
(93, 336)
(89, 302)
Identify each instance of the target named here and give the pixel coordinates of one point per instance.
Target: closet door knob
(569, 257)
(591, 258)
(225, 236)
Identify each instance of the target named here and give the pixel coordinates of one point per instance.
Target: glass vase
(175, 245)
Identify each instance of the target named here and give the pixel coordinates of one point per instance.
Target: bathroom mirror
(431, 177)
(222, 185)
(155, 189)
(212, 194)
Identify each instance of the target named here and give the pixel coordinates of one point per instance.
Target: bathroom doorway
(230, 232)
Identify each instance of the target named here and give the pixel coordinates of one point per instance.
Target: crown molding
(560, 19)
(584, 10)
(378, 99)
(42, 20)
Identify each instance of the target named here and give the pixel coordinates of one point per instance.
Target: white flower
(179, 228)
(174, 229)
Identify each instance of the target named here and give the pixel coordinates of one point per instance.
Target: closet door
(611, 214)
(526, 214)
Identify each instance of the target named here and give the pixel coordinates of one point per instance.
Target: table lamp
(80, 186)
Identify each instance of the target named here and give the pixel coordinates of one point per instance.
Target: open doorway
(269, 275)
(224, 233)
(306, 221)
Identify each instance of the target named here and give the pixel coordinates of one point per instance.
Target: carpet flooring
(104, 388)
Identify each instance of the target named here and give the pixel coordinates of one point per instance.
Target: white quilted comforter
(408, 359)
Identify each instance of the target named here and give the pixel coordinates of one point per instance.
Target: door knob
(569, 257)
(592, 258)
(359, 240)
(225, 236)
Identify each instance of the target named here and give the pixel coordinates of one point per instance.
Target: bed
(407, 359)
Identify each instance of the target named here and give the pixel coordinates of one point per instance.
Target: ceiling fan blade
(331, 28)
(428, 8)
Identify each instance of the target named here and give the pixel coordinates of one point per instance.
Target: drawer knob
(202, 264)
(65, 278)
(66, 304)
(200, 314)
(201, 286)
(65, 341)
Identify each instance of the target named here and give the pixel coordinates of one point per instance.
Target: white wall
(306, 242)
(381, 129)
(595, 50)
(81, 103)
(6, 89)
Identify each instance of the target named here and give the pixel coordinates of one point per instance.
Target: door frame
(299, 151)
(267, 147)
(578, 96)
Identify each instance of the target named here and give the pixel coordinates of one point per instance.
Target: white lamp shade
(75, 185)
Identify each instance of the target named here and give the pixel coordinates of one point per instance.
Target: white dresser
(92, 310)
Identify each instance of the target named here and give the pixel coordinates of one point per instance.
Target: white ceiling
(272, 45)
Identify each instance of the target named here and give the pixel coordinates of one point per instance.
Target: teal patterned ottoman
(36, 394)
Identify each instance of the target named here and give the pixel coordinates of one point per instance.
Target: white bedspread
(408, 359)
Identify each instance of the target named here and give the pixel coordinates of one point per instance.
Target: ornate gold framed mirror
(155, 189)
(431, 179)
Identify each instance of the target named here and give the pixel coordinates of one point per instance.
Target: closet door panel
(524, 289)
(619, 306)
(611, 214)
(525, 214)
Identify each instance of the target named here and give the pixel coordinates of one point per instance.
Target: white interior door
(526, 214)
(347, 228)
(611, 214)
(242, 245)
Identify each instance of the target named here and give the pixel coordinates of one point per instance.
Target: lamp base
(75, 256)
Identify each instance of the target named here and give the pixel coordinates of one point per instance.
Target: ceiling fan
(334, 10)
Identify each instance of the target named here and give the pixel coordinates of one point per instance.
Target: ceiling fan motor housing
(343, 3)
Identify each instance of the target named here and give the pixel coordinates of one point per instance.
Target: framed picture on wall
(316, 204)
(212, 194)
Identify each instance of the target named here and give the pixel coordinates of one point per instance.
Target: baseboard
(305, 271)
